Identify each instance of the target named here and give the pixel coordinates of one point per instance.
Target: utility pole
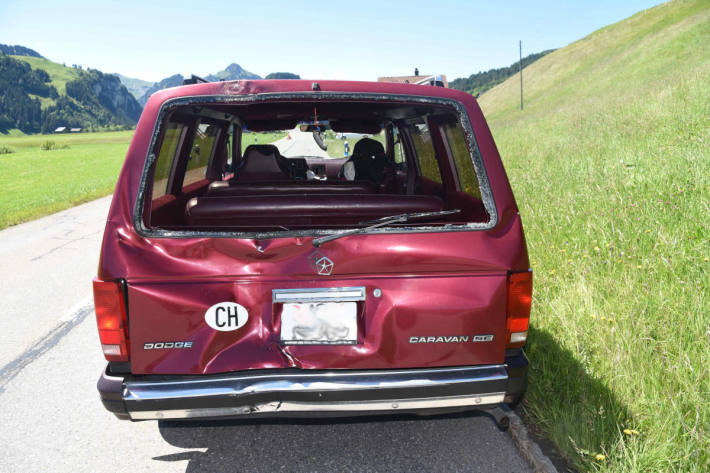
(521, 74)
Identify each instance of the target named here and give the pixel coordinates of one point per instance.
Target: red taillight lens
(519, 302)
(111, 319)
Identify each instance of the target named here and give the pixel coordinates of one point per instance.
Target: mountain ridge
(39, 95)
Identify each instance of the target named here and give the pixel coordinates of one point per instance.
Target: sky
(359, 40)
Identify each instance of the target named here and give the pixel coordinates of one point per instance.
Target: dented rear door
(420, 306)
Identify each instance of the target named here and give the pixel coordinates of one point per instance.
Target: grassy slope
(36, 182)
(59, 74)
(610, 163)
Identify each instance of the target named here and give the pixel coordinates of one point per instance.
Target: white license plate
(319, 323)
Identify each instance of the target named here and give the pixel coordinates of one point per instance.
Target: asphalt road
(51, 418)
(298, 143)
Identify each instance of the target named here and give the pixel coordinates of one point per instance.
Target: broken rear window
(305, 167)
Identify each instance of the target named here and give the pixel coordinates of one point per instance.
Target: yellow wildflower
(627, 431)
(634, 431)
(593, 316)
(600, 457)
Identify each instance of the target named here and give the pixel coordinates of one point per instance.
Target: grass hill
(18, 50)
(477, 83)
(282, 75)
(59, 75)
(610, 161)
(67, 96)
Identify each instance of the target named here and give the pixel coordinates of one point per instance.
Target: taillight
(519, 301)
(111, 319)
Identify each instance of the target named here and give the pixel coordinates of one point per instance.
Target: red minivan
(301, 248)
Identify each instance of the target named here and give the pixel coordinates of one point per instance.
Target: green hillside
(480, 82)
(58, 74)
(38, 95)
(610, 162)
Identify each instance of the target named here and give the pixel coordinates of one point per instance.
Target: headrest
(265, 150)
(368, 147)
(261, 161)
(367, 163)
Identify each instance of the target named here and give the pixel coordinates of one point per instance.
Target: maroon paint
(444, 283)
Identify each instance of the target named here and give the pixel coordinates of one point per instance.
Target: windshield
(315, 168)
(295, 143)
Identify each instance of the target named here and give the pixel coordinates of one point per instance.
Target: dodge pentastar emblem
(321, 264)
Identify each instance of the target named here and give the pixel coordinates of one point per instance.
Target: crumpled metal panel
(409, 307)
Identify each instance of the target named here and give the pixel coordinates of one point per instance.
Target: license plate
(319, 323)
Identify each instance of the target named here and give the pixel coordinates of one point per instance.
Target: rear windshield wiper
(381, 222)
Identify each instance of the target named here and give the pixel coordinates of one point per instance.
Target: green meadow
(36, 182)
(610, 164)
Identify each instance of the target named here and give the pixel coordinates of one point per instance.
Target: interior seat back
(302, 209)
(262, 162)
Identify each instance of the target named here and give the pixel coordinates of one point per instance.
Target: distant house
(61, 129)
(75, 130)
(423, 79)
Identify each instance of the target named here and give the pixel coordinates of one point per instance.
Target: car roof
(250, 87)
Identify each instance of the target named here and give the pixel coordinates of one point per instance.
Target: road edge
(38, 348)
(530, 450)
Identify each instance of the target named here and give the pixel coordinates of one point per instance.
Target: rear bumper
(292, 392)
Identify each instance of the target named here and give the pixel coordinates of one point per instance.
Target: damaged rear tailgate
(402, 321)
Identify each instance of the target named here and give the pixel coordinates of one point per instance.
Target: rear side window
(424, 147)
(202, 148)
(171, 140)
(462, 158)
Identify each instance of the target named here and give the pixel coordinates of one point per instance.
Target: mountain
(38, 95)
(282, 75)
(232, 72)
(610, 162)
(480, 82)
(172, 81)
(137, 87)
(17, 50)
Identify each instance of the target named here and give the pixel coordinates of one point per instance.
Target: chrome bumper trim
(325, 294)
(283, 391)
(253, 383)
(346, 406)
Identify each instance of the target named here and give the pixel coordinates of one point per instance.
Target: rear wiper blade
(381, 222)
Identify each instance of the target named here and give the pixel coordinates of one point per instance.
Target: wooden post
(521, 74)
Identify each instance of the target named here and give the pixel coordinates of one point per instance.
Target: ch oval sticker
(226, 316)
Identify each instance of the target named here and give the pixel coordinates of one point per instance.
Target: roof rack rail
(193, 79)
